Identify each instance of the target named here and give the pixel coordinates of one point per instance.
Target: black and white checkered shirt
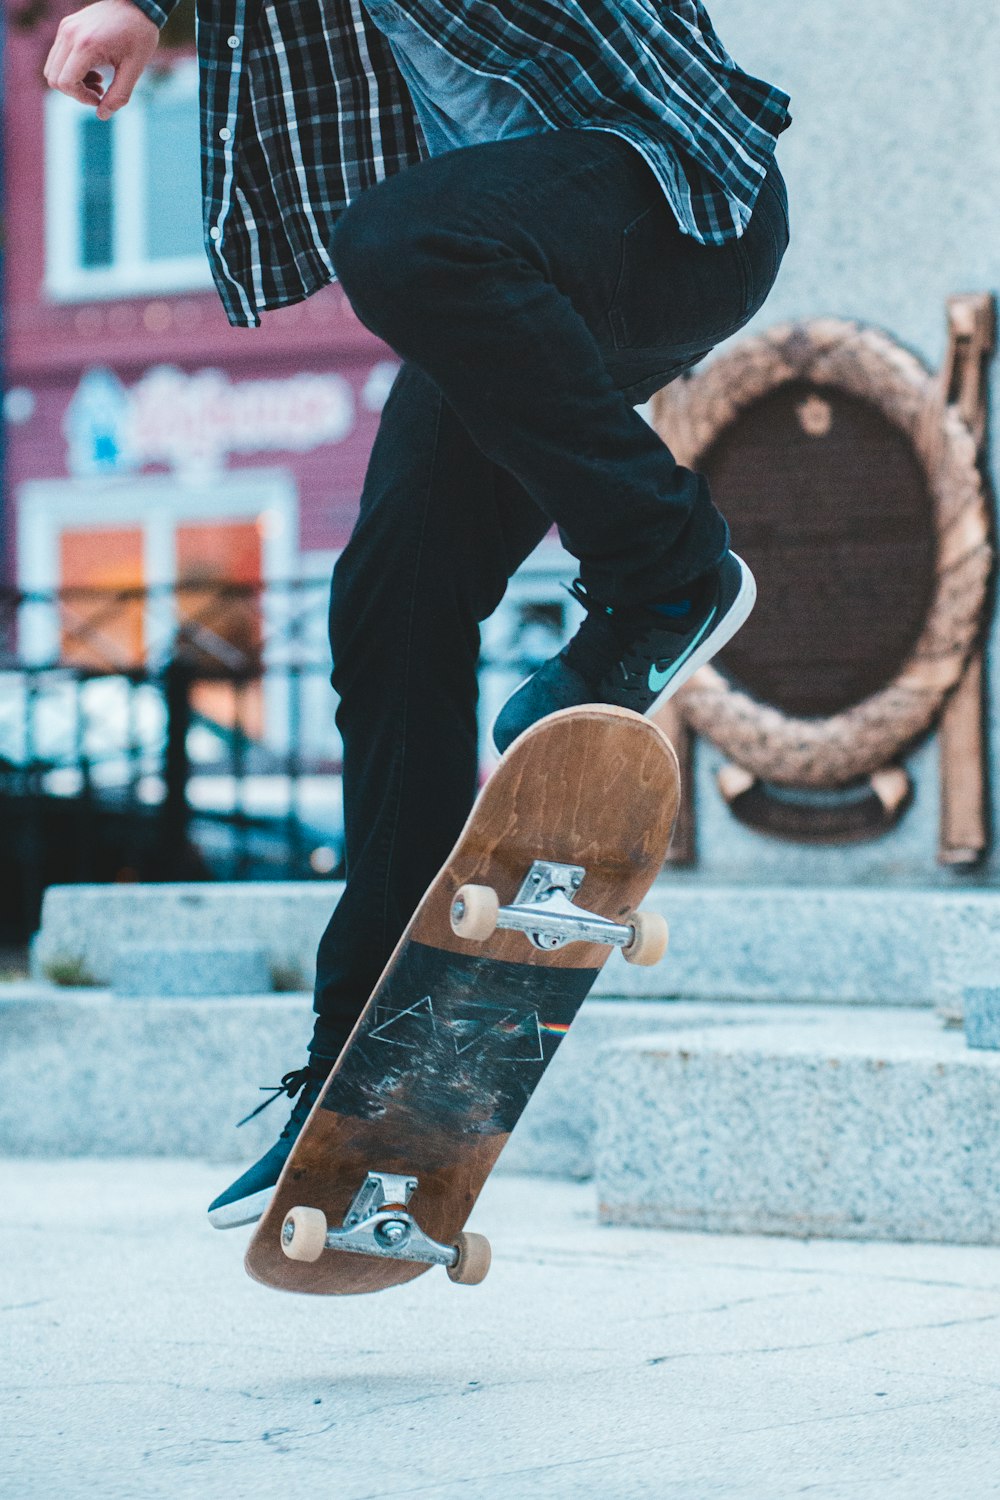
(303, 107)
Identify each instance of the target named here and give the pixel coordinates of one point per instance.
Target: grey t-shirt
(455, 105)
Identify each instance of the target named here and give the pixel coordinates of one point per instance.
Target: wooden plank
(963, 819)
(670, 718)
(963, 833)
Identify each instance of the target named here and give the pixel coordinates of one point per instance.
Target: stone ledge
(83, 926)
(981, 1005)
(186, 969)
(779, 944)
(85, 1074)
(807, 1121)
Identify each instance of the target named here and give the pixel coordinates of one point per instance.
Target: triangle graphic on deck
(411, 1027)
(511, 1036)
(470, 1031)
(526, 1041)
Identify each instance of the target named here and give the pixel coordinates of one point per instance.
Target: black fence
(188, 732)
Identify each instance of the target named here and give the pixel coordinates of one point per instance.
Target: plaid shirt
(303, 107)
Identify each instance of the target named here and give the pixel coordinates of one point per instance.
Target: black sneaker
(635, 657)
(246, 1199)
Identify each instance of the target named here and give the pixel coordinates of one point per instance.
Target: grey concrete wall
(858, 946)
(85, 1074)
(892, 163)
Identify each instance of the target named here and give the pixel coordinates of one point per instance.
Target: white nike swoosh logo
(658, 679)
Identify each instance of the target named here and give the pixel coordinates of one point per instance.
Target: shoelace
(578, 591)
(291, 1084)
(604, 638)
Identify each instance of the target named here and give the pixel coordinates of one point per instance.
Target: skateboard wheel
(474, 912)
(650, 936)
(474, 1257)
(303, 1234)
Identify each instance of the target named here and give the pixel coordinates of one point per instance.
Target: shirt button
(233, 41)
(225, 133)
(215, 232)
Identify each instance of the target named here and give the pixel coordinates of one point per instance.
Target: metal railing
(188, 732)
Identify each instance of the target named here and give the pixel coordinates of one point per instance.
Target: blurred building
(173, 489)
(151, 445)
(149, 442)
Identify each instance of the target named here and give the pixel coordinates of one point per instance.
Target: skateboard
(563, 843)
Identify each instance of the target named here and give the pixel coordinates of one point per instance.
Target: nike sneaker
(245, 1200)
(634, 656)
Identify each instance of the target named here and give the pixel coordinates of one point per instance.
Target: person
(548, 211)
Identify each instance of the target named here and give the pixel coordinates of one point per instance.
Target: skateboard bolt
(458, 909)
(393, 1231)
(287, 1232)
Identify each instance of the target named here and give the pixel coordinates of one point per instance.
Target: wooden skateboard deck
(458, 1032)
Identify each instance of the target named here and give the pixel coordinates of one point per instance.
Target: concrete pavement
(140, 1361)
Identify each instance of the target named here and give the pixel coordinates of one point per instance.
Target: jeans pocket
(629, 254)
(674, 294)
(764, 241)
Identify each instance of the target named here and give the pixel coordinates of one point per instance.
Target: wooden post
(963, 830)
(671, 720)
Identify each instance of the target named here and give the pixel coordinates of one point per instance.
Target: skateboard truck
(378, 1223)
(543, 910)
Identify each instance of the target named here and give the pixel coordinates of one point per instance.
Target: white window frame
(132, 272)
(156, 504)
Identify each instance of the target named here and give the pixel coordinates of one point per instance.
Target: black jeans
(536, 289)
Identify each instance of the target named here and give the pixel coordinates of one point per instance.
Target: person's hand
(108, 34)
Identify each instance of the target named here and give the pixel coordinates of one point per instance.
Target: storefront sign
(191, 423)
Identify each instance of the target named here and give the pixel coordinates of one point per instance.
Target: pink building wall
(52, 345)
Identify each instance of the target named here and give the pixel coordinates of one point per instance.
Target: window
(123, 196)
(96, 629)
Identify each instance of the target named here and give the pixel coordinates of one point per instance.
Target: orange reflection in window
(103, 630)
(219, 619)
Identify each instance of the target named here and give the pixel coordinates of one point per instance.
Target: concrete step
(832, 945)
(83, 1073)
(804, 1121)
(166, 968)
(84, 926)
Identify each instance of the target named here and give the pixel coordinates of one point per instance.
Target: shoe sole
(243, 1211)
(735, 617)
